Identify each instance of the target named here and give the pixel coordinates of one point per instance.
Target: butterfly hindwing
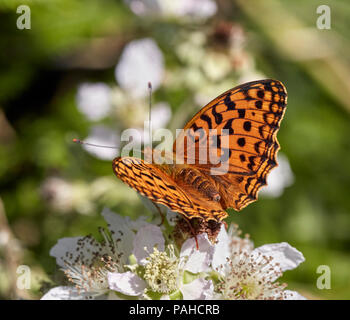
(152, 182)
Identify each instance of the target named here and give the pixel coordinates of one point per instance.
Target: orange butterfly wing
(152, 182)
(251, 113)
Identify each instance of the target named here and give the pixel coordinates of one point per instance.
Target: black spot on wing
(229, 103)
(207, 120)
(228, 126)
(217, 116)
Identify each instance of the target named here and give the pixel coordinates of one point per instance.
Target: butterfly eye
(217, 198)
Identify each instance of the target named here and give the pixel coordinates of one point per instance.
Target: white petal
(280, 178)
(126, 283)
(222, 249)
(293, 295)
(63, 293)
(160, 115)
(119, 223)
(198, 260)
(105, 136)
(191, 8)
(282, 253)
(137, 224)
(66, 250)
(143, 7)
(94, 100)
(198, 289)
(120, 230)
(180, 8)
(58, 193)
(141, 62)
(148, 237)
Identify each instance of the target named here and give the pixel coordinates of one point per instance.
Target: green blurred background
(51, 188)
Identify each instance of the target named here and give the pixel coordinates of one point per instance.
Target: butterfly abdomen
(198, 181)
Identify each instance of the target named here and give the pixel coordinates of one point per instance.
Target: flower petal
(293, 295)
(127, 283)
(280, 178)
(68, 249)
(222, 250)
(198, 289)
(145, 240)
(102, 135)
(120, 229)
(63, 293)
(282, 253)
(160, 115)
(238, 244)
(198, 260)
(91, 95)
(141, 62)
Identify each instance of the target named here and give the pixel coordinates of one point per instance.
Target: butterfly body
(198, 180)
(238, 130)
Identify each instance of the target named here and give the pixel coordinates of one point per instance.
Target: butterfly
(250, 115)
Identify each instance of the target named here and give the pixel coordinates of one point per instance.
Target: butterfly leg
(161, 214)
(192, 230)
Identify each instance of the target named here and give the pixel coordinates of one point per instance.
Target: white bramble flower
(86, 262)
(102, 135)
(64, 196)
(58, 193)
(159, 270)
(141, 62)
(160, 115)
(280, 178)
(247, 273)
(201, 9)
(136, 262)
(94, 100)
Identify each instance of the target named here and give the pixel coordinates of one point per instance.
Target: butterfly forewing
(251, 114)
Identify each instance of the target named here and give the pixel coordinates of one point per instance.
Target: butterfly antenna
(100, 146)
(149, 112)
(92, 144)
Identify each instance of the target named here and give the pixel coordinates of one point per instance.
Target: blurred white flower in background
(58, 193)
(209, 91)
(279, 178)
(251, 75)
(102, 135)
(94, 100)
(143, 7)
(64, 196)
(141, 62)
(180, 8)
(191, 48)
(216, 65)
(160, 115)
